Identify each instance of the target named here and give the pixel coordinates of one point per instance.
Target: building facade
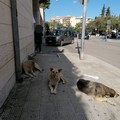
(70, 20)
(16, 40)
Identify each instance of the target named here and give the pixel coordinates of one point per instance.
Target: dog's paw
(34, 75)
(41, 70)
(54, 92)
(63, 82)
(51, 91)
(113, 104)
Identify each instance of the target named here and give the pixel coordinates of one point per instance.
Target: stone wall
(26, 28)
(26, 41)
(7, 65)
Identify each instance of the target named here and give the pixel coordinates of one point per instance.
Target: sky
(75, 8)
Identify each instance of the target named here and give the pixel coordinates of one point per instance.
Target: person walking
(105, 36)
(38, 38)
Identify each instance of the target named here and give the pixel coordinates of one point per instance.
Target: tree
(103, 11)
(44, 3)
(78, 27)
(115, 23)
(108, 13)
(99, 24)
(47, 24)
(96, 17)
(59, 25)
(68, 25)
(119, 17)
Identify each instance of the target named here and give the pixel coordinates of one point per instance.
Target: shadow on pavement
(31, 99)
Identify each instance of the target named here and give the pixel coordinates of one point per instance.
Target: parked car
(119, 35)
(87, 35)
(113, 35)
(60, 37)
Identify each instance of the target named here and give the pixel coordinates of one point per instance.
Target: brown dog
(29, 67)
(54, 78)
(97, 90)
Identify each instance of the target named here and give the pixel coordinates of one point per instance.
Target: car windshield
(57, 32)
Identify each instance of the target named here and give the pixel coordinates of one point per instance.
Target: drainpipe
(18, 69)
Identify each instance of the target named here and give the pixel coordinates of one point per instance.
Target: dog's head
(116, 95)
(113, 93)
(55, 72)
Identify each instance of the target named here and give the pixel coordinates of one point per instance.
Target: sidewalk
(31, 100)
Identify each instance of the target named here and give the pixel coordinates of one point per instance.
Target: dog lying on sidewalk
(54, 78)
(29, 67)
(98, 90)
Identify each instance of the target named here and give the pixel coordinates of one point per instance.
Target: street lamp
(84, 3)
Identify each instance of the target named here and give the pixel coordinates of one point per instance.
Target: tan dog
(54, 78)
(97, 90)
(30, 67)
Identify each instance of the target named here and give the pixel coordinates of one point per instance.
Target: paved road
(107, 51)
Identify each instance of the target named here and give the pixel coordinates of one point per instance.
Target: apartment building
(70, 20)
(57, 19)
(66, 20)
(75, 20)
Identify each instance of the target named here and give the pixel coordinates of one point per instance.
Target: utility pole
(84, 3)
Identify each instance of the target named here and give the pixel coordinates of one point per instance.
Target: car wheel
(87, 38)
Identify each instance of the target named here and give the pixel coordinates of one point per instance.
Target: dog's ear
(59, 70)
(117, 95)
(51, 69)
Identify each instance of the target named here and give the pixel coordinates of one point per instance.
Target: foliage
(51, 25)
(115, 23)
(68, 25)
(103, 11)
(47, 24)
(78, 27)
(108, 13)
(100, 23)
(59, 25)
(44, 3)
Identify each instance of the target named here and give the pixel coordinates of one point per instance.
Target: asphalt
(31, 99)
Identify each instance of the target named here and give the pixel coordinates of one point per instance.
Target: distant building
(70, 20)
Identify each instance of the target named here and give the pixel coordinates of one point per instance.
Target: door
(65, 37)
(69, 39)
